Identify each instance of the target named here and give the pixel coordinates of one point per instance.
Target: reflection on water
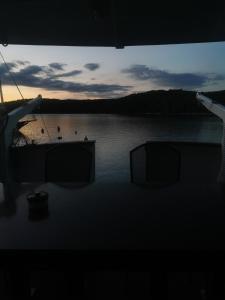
(116, 135)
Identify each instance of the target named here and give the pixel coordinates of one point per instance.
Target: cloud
(57, 66)
(92, 66)
(173, 80)
(67, 74)
(31, 70)
(10, 66)
(42, 77)
(22, 62)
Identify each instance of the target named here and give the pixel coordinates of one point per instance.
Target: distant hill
(152, 102)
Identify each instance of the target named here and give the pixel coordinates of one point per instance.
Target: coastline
(172, 103)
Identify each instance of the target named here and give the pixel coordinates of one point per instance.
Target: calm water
(116, 135)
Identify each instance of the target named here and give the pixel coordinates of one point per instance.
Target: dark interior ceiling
(116, 23)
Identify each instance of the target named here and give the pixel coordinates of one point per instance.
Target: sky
(105, 72)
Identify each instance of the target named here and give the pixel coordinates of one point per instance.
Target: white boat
(173, 225)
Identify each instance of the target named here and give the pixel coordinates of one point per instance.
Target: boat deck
(111, 216)
(120, 216)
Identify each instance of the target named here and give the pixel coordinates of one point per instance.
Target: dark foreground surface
(125, 241)
(114, 239)
(108, 216)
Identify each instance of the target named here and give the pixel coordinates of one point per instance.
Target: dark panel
(111, 22)
(163, 164)
(68, 163)
(28, 163)
(64, 162)
(138, 161)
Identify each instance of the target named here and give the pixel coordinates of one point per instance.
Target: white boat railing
(219, 111)
(7, 139)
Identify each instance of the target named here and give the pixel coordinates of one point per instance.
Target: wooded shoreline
(160, 102)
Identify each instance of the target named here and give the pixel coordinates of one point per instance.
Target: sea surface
(117, 135)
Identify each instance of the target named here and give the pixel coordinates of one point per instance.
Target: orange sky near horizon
(10, 93)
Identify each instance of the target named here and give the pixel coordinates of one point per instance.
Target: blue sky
(94, 72)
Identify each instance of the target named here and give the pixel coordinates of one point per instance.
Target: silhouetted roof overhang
(116, 23)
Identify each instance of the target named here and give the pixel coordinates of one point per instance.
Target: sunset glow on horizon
(101, 72)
